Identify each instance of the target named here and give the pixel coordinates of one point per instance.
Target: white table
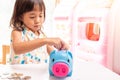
(82, 70)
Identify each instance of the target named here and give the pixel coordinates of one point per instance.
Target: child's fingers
(64, 46)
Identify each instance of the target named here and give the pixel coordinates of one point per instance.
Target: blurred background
(90, 27)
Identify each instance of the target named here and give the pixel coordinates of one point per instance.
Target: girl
(28, 42)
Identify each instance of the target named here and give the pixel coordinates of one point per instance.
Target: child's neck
(35, 32)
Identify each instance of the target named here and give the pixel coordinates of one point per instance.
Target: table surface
(82, 70)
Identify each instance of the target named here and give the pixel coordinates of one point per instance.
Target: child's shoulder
(16, 32)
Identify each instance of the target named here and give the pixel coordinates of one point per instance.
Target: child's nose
(37, 20)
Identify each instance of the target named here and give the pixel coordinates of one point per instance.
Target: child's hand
(58, 43)
(64, 46)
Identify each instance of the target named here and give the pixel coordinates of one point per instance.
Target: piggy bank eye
(53, 60)
(68, 60)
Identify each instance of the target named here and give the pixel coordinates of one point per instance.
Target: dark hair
(21, 7)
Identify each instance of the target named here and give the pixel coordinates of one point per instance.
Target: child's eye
(32, 17)
(40, 16)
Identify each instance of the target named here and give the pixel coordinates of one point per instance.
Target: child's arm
(49, 49)
(22, 47)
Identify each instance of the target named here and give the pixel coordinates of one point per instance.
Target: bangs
(32, 4)
(40, 5)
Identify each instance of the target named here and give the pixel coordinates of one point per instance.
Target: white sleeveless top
(36, 56)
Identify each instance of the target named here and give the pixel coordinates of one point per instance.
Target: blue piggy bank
(60, 63)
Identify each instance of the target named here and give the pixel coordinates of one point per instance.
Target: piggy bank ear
(53, 52)
(70, 54)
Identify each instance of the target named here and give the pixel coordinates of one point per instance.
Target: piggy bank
(60, 63)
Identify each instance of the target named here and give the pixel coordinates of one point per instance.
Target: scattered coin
(14, 76)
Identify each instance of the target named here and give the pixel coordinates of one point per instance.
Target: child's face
(33, 19)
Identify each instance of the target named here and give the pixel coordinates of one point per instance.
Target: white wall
(50, 6)
(6, 7)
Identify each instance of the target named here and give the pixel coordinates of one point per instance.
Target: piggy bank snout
(60, 69)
